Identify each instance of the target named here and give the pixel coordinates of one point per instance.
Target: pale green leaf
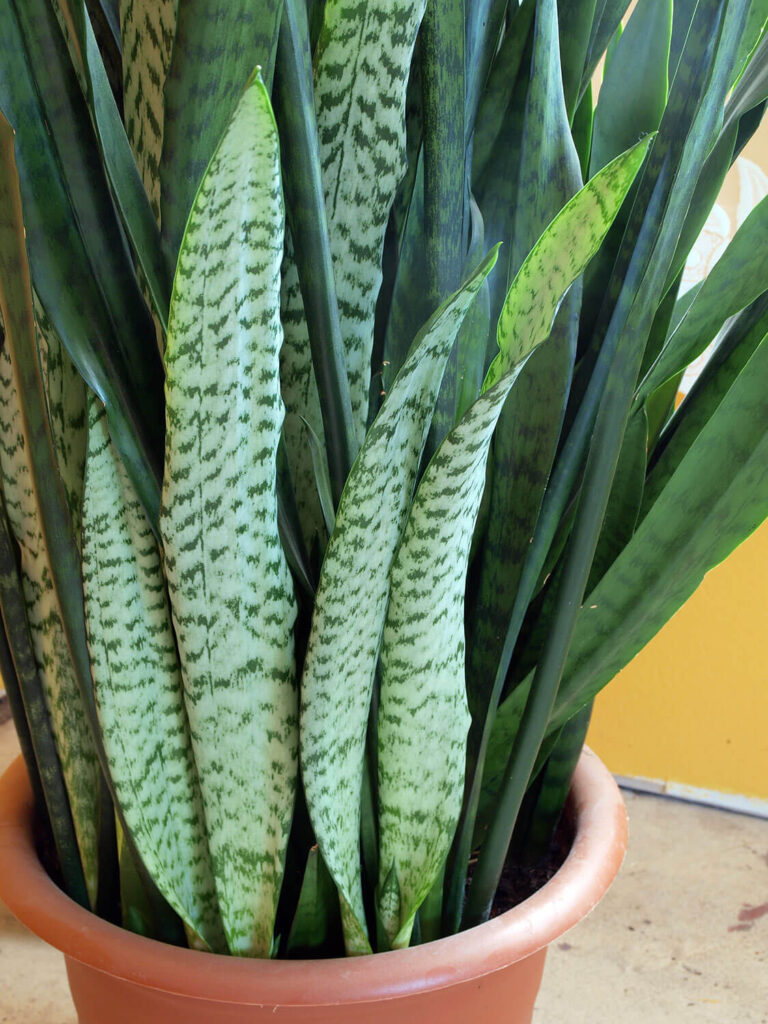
(423, 715)
(138, 690)
(147, 28)
(231, 591)
(351, 602)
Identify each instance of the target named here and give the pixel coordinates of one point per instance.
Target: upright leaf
(340, 666)
(33, 721)
(362, 63)
(231, 590)
(423, 717)
(312, 361)
(65, 234)
(217, 45)
(137, 684)
(147, 28)
(634, 92)
(21, 484)
(529, 426)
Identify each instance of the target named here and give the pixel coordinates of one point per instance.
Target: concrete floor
(681, 937)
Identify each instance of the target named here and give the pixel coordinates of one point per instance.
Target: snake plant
(341, 458)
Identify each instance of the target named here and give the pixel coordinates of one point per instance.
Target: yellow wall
(692, 708)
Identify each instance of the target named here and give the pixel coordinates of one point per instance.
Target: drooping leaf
(231, 590)
(721, 484)
(339, 666)
(740, 340)
(423, 715)
(738, 277)
(640, 294)
(138, 688)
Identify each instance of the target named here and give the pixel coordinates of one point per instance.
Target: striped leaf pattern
(423, 715)
(231, 590)
(351, 602)
(68, 716)
(363, 62)
(147, 28)
(300, 393)
(65, 398)
(138, 690)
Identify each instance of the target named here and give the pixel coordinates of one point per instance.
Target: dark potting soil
(519, 881)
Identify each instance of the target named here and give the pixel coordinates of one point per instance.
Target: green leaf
(738, 277)
(423, 715)
(38, 515)
(231, 590)
(148, 29)
(216, 47)
(138, 688)
(740, 340)
(497, 95)
(316, 922)
(634, 91)
(82, 271)
(322, 477)
(754, 30)
(339, 667)
(529, 426)
(443, 78)
(312, 362)
(26, 696)
(640, 294)
(362, 63)
(65, 403)
(607, 19)
(127, 187)
(575, 19)
(721, 485)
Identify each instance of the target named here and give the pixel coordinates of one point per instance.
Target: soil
(520, 881)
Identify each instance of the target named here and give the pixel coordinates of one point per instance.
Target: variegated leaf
(68, 717)
(302, 401)
(423, 715)
(362, 64)
(65, 398)
(231, 590)
(138, 689)
(351, 602)
(147, 28)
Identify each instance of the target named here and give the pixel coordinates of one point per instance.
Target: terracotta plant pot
(489, 973)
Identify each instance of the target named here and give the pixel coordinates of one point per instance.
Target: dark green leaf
(218, 44)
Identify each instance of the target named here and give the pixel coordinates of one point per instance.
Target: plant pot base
(491, 972)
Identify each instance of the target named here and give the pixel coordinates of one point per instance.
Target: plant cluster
(341, 462)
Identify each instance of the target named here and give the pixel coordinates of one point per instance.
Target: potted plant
(341, 469)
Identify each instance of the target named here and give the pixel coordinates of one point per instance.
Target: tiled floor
(681, 937)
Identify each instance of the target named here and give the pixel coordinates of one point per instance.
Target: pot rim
(585, 875)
